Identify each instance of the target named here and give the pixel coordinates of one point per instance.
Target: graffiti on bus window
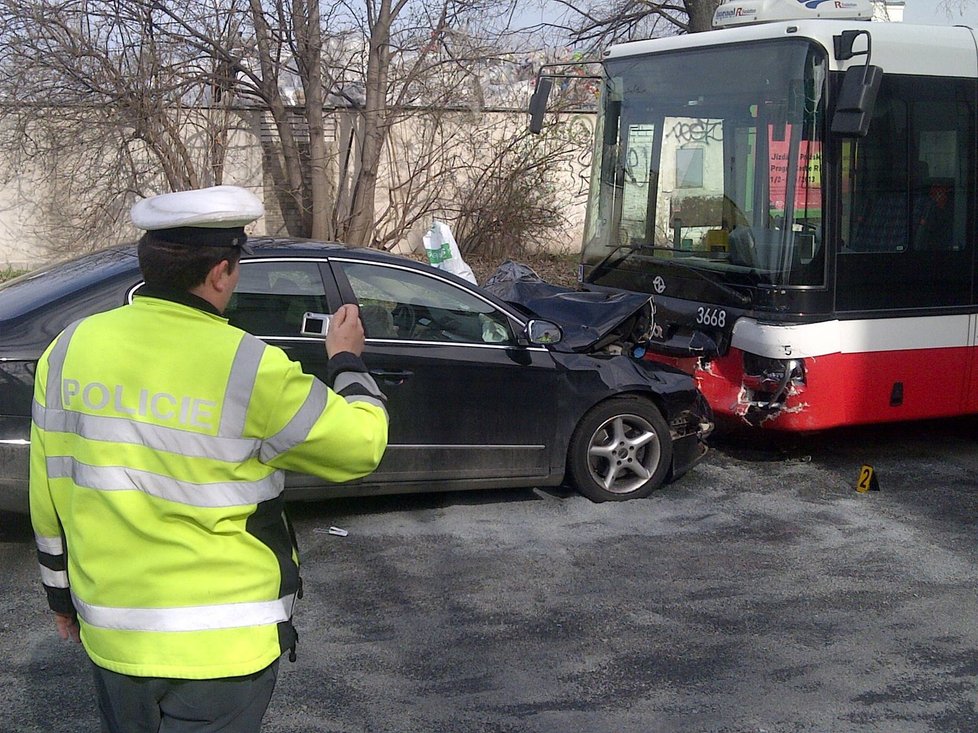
(697, 131)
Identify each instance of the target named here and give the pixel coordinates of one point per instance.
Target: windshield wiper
(604, 265)
(736, 295)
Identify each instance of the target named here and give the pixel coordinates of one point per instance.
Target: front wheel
(620, 450)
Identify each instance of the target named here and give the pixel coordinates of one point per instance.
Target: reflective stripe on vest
(122, 478)
(50, 545)
(54, 578)
(299, 426)
(157, 437)
(241, 383)
(54, 549)
(344, 380)
(56, 361)
(187, 618)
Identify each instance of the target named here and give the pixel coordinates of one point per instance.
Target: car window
(397, 303)
(271, 297)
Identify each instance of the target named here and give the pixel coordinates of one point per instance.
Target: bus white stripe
(798, 341)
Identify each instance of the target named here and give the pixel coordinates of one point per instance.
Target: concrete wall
(41, 200)
(46, 212)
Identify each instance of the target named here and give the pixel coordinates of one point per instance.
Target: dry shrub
(518, 199)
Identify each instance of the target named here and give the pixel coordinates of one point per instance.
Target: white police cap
(217, 207)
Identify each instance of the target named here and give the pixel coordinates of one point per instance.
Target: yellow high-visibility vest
(160, 435)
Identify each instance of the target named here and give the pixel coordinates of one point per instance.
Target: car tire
(620, 450)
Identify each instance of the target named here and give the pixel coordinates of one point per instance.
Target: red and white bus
(799, 198)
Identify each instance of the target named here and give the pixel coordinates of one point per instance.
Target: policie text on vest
(189, 411)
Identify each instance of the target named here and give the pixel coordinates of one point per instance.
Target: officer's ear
(217, 278)
(220, 276)
(218, 285)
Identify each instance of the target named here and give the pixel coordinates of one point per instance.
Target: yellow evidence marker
(867, 480)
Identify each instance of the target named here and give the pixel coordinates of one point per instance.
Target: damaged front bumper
(751, 372)
(689, 431)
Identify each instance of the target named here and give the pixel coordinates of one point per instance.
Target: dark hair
(174, 266)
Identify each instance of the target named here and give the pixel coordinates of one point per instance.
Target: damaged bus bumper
(759, 391)
(749, 374)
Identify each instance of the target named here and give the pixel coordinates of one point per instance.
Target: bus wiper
(736, 295)
(604, 265)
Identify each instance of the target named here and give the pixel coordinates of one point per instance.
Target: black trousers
(159, 705)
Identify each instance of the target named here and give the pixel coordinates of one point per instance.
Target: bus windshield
(710, 159)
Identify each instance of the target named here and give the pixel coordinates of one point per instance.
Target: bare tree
(98, 96)
(418, 60)
(161, 88)
(512, 202)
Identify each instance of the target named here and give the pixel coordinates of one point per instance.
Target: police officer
(160, 435)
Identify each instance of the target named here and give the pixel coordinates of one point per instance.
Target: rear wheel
(620, 450)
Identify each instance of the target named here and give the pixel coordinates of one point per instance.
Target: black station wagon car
(483, 392)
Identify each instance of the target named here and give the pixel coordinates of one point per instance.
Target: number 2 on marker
(865, 479)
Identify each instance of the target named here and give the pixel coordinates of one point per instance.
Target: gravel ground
(758, 593)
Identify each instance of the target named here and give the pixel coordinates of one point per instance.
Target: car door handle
(392, 376)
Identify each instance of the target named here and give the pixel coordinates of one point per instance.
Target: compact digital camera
(315, 324)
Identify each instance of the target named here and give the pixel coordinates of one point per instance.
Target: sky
(532, 13)
(942, 12)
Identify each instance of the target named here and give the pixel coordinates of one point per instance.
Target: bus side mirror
(538, 103)
(857, 98)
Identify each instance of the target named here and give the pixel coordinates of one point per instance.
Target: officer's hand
(345, 331)
(67, 626)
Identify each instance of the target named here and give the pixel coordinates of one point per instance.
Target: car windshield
(40, 287)
(711, 159)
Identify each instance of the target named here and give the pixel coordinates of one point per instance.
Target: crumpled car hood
(590, 321)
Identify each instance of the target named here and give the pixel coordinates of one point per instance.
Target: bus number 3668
(711, 317)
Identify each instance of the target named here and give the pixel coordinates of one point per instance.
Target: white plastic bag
(442, 251)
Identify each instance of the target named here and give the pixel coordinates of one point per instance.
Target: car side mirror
(543, 333)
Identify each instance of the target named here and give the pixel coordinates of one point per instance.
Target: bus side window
(906, 200)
